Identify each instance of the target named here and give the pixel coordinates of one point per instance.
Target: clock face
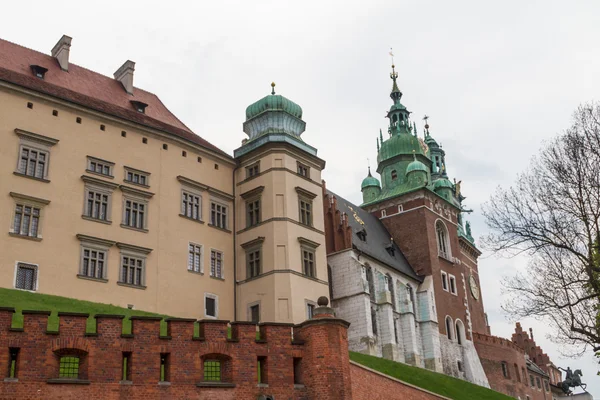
(474, 288)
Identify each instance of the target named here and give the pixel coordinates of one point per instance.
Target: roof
(273, 102)
(92, 90)
(378, 238)
(534, 368)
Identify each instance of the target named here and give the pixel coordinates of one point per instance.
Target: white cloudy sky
(496, 79)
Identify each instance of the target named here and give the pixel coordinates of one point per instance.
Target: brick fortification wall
(321, 345)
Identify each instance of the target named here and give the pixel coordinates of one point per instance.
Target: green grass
(432, 381)
(22, 300)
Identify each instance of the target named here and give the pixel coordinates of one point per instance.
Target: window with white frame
(216, 264)
(211, 305)
(27, 215)
(442, 240)
(449, 328)
(191, 205)
(34, 154)
(100, 167)
(383, 213)
(444, 281)
(26, 276)
(195, 263)
(218, 215)
(137, 177)
(452, 284)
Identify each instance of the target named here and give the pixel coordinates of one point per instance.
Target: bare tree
(552, 213)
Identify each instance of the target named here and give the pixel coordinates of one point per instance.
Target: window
(218, 215)
(26, 277)
(252, 212)
(210, 305)
(164, 367)
(253, 265)
(132, 270)
(252, 170)
(26, 221)
(97, 205)
(460, 366)
(38, 71)
(34, 153)
(517, 373)
(444, 281)
(191, 205)
(505, 370)
(303, 170)
(69, 367)
(394, 175)
(98, 166)
(93, 263)
(134, 212)
(126, 367)
(255, 313)
(449, 328)
(212, 371)
(362, 235)
(195, 258)
(261, 367)
(374, 321)
(460, 331)
(298, 371)
(13, 353)
(390, 287)
(411, 297)
(306, 212)
(370, 282)
(310, 310)
(137, 177)
(216, 264)
(539, 382)
(546, 386)
(442, 239)
(524, 375)
(308, 262)
(452, 281)
(531, 381)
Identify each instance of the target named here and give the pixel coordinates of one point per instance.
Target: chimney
(125, 76)
(60, 51)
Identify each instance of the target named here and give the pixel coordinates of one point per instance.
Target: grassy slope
(432, 381)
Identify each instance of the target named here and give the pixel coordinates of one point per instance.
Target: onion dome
(399, 144)
(416, 166)
(370, 181)
(273, 102)
(442, 184)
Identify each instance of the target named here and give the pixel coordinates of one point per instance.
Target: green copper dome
(443, 183)
(369, 181)
(416, 166)
(273, 102)
(403, 143)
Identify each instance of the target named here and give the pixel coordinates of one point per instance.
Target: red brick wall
(322, 345)
(368, 384)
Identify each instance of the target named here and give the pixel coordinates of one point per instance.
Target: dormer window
(139, 106)
(39, 71)
(362, 235)
(394, 175)
(390, 250)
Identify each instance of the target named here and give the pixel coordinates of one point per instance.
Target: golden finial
(272, 87)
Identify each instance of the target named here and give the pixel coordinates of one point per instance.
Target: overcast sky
(496, 79)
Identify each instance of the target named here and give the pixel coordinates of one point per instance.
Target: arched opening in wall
(443, 240)
(71, 364)
(505, 372)
(411, 296)
(370, 282)
(449, 328)
(216, 368)
(330, 280)
(374, 321)
(394, 175)
(390, 287)
(517, 373)
(460, 332)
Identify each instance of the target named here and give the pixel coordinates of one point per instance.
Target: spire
(272, 87)
(425, 118)
(415, 128)
(380, 136)
(369, 171)
(377, 145)
(396, 93)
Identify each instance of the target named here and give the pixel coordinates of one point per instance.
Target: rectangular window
(132, 270)
(33, 162)
(12, 365)
(210, 302)
(444, 281)
(126, 368)
(97, 204)
(539, 383)
(26, 278)
(191, 205)
(255, 313)
(308, 262)
(252, 212)
(505, 370)
(218, 215)
(93, 263)
(310, 309)
(298, 371)
(216, 264)
(531, 381)
(27, 220)
(252, 170)
(253, 266)
(135, 214)
(546, 386)
(306, 212)
(69, 367)
(261, 368)
(195, 258)
(212, 371)
(303, 170)
(137, 177)
(101, 167)
(164, 367)
(452, 284)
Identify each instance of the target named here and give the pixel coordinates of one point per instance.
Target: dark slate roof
(533, 367)
(378, 238)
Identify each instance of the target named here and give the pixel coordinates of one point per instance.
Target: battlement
(496, 341)
(222, 360)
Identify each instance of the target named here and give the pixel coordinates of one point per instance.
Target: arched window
(505, 372)
(442, 239)
(517, 373)
(330, 279)
(460, 331)
(374, 321)
(371, 283)
(390, 287)
(449, 328)
(411, 296)
(394, 175)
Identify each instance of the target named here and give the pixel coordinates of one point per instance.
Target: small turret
(417, 173)
(370, 188)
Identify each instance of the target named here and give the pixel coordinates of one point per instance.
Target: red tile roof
(90, 89)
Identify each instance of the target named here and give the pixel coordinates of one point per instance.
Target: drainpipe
(234, 251)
